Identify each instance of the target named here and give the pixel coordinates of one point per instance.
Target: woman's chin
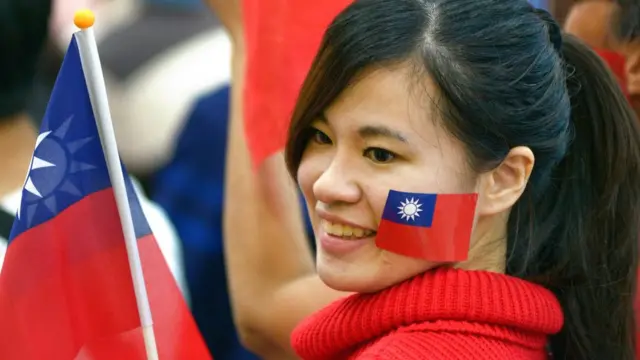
(350, 278)
(368, 274)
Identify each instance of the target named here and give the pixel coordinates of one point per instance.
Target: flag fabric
(282, 38)
(66, 290)
(434, 227)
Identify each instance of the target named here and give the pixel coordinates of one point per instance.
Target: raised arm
(271, 272)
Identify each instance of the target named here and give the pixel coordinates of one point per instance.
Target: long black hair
(507, 77)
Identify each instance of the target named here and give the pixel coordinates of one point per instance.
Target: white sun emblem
(409, 209)
(56, 180)
(36, 163)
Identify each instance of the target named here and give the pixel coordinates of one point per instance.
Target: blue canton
(68, 162)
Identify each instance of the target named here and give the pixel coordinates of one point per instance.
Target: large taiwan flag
(66, 290)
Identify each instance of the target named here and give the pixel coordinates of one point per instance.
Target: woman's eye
(321, 138)
(379, 155)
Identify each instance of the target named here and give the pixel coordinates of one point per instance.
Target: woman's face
(380, 134)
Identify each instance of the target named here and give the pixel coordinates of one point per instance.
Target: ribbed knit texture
(442, 314)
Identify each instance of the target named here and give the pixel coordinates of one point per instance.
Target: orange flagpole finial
(84, 19)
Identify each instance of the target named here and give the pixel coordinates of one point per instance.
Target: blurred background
(167, 68)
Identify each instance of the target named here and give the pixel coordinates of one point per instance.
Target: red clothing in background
(440, 315)
(616, 63)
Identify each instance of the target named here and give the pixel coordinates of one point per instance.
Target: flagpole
(94, 78)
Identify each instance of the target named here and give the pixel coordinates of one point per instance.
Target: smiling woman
(374, 137)
(454, 97)
(407, 103)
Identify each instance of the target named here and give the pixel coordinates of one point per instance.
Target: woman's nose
(336, 184)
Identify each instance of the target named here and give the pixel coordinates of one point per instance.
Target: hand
(229, 12)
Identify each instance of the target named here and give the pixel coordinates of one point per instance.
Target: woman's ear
(501, 187)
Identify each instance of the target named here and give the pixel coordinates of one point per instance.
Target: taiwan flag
(66, 290)
(434, 227)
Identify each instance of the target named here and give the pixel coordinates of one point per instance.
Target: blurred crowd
(167, 68)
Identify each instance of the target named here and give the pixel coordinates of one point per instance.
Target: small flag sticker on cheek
(433, 227)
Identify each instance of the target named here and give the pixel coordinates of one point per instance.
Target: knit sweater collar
(527, 312)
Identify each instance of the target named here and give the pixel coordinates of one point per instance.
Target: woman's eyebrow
(370, 131)
(373, 131)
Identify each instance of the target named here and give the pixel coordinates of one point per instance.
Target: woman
(464, 96)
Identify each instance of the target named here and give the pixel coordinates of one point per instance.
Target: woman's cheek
(312, 166)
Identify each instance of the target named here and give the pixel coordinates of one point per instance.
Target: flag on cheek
(434, 227)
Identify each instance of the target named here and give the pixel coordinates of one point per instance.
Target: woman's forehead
(397, 97)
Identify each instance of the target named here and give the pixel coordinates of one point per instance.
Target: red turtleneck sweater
(440, 315)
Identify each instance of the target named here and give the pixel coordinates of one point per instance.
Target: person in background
(612, 29)
(167, 65)
(626, 29)
(440, 97)
(590, 21)
(190, 187)
(191, 190)
(158, 56)
(25, 28)
(169, 73)
(157, 63)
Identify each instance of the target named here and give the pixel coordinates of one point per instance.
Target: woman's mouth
(345, 231)
(340, 239)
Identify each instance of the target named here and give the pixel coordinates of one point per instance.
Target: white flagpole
(94, 78)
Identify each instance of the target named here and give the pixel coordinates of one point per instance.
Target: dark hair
(24, 25)
(507, 78)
